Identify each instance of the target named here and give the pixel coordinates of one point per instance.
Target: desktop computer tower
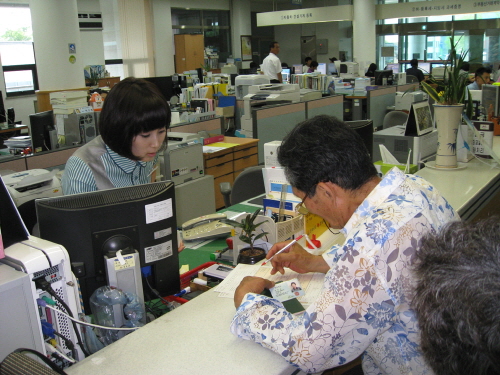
(79, 128)
(21, 317)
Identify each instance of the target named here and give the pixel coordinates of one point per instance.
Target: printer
(174, 138)
(397, 143)
(32, 184)
(182, 161)
(267, 93)
(405, 99)
(243, 82)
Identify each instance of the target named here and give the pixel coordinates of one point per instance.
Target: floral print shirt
(364, 307)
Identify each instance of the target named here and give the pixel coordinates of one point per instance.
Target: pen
(284, 248)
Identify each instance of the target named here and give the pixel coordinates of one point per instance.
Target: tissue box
(384, 167)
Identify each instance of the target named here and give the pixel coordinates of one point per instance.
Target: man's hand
(250, 284)
(297, 259)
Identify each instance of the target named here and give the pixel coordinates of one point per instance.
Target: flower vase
(448, 119)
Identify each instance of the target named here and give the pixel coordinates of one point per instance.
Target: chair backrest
(411, 79)
(248, 184)
(394, 118)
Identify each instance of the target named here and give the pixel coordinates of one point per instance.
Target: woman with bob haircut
(132, 126)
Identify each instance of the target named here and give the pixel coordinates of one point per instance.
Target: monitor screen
(40, 126)
(380, 75)
(490, 99)
(92, 225)
(331, 69)
(285, 74)
(393, 67)
(321, 68)
(297, 68)
(164, 84)
(425, 67)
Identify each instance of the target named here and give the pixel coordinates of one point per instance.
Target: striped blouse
(122, 172)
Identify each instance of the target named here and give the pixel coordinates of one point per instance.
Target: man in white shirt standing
(271, 66)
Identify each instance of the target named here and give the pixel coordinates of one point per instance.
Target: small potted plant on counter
(250, 254)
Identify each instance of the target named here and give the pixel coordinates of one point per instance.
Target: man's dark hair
(325, 149)
(314, 64)
(308, 59)
(271, 46)
(414, 62)
(481, 70)
(465, 66)
(132, 106)
(457, 298)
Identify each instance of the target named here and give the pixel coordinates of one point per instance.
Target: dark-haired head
(133, 106)
(414, 62)
(325, 149)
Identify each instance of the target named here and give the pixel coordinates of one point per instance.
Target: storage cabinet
(108, 81)
(189, 52)
(225, 165)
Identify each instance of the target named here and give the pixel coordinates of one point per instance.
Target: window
(16, 50)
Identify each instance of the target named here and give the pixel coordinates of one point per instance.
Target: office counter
(192, 339)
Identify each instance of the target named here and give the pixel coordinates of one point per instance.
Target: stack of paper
(66, 102)
(21, 141)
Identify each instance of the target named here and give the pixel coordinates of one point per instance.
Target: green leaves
(248, 228)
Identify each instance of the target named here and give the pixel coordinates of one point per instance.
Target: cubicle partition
(214, 125)
(408, 87)
(274, 122)
(12, 164)
(328, 105)
(50, 159)
(378, 101)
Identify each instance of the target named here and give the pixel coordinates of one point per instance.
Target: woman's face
(146, 145)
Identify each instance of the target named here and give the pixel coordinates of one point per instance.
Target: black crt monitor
(92, 225)
(3, 117)
(380, 75)
(40, 126)
(164, 84)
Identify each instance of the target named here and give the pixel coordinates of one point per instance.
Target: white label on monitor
(162, 233)
(158, 211)
(128, 262)
(158, 252)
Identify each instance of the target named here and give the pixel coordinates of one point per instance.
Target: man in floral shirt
(364, 305)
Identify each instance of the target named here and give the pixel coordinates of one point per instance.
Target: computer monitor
(164, 84)
(490, 99)
(92, 225)
(425, 66)
(285, 75)
(3, 115)
(321, 68)
(393, 67)
(380, 75)
(297, 68)
(40, 126)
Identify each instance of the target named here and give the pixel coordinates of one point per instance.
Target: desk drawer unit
(247, 161)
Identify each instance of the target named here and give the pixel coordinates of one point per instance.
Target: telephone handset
(205, 227)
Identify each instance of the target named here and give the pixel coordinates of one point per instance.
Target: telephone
(205, 227)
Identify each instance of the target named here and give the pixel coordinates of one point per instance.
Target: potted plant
(250, 254)
(451, 95)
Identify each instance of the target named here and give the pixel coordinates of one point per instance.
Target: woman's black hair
(133, 106)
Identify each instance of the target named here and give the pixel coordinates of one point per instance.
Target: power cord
(45, 286)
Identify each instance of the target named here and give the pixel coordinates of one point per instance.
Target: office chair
(394, 118)
(411, 79)
(248, 184)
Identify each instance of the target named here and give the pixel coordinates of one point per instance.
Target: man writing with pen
(364, 307)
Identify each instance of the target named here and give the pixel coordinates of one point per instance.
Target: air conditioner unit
(90, 21)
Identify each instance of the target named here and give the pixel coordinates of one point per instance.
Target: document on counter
(311, 283)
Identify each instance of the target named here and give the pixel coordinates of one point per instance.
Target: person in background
(132, 130)
(464, 70)
(415, 71)
(364, 305)
(271, 66)
(457, 298)
(312, 67)
(481, 77)
(307, 65)
(284, 65)
(254, 67)
(371, 70)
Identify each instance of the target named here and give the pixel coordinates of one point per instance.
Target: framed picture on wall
(246, 47)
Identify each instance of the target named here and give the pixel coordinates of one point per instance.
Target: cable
(43, 303)
(45, 285)
(68, 343)
(50, 349)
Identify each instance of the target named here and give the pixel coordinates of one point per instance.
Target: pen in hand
(284, 248)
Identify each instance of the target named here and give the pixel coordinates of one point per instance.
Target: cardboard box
(225, 111)
(384, 167)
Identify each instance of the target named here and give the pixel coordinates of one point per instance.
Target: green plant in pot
(250, 254)
(451, 97)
